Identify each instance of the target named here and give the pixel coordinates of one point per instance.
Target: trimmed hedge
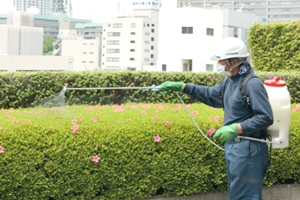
(22, 90)
(47, 152)
(275, 46)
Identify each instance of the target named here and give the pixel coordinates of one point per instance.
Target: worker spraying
(246, 159)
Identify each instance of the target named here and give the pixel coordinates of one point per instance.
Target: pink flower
(211, 131)
(134, 107)
(216, 118)
(75, 128)
(94, 119)
(166, 122)
(10, 111)
(1, 127)
(156, 138)
(74, 121)
(81, 119)
(24, 121)
(1, 149)
(95, 159)
(155, 117)
(146, 106)
(119, 110)
(195, 112)
(15, 121)
(143, 112)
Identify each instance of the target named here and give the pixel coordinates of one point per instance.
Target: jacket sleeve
(259, 102)
(210, 95)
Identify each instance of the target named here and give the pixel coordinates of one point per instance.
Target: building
(19, 37)
(271, 10)
(86, 52)
(60, 8)
(188, 44)
(21, 47)
(50, 24)
(44, 6)
(130, 41)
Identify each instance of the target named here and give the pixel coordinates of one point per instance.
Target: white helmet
(230, 47)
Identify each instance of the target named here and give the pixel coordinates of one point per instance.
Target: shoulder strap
(245, 96)
(223, 91)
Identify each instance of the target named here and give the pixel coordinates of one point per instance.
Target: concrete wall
(277, 192)
(36, 63)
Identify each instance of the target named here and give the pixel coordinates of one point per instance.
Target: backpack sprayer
(279, 98)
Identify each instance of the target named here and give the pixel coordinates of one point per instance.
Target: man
(246, 160)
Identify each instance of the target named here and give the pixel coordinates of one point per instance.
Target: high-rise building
(130, 41)
(271, 10)
(46, 7)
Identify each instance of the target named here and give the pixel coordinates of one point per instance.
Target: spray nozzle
(65, 88)
(152, 88)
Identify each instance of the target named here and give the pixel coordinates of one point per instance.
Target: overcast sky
(96, 10)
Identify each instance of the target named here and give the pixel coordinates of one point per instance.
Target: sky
(99, 11)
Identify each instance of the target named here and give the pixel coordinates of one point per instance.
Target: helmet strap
(232, 67)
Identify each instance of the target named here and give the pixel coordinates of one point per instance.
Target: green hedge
(275, 46)
(21, 90)
(44, 158)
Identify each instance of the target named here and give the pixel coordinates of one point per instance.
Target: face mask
(221, 70)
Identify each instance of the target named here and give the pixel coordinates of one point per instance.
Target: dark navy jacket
(254, 120)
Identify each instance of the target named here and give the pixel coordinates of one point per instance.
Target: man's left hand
(226, 133)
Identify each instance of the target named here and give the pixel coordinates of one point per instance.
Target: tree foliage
(48, 47)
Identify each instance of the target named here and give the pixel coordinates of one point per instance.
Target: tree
(48, 47)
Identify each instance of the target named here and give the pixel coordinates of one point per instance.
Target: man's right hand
(172, 86)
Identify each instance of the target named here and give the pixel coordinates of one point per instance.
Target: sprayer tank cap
(275, 82)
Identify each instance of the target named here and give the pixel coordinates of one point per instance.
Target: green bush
(23, 90)
(47, 152)
(275, 46)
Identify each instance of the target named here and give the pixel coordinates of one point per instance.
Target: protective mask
(221, 70)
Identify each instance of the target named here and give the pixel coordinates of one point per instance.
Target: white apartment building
(271, 10)
(86, 52)
(130, 41)
(188, 35)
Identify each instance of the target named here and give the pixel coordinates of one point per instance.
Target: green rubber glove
(226, 133)
(173, 86)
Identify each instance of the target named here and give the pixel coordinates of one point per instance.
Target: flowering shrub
(119, 152)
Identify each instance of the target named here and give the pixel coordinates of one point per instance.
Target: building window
(112, 59)
(113, 34)
(132, 50)
(152, 56)
(132, 33)
(187, 30)
(152, 39)
(209, 67)
(151, 63)
(133, 25)
(131, 59)
(164, 68)
(210, 31)
(117, 25)
(113, 50)
(152, 30)
(152, 25)
(152, 47)
(235, 32)
(132, 41)
(113, 42)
